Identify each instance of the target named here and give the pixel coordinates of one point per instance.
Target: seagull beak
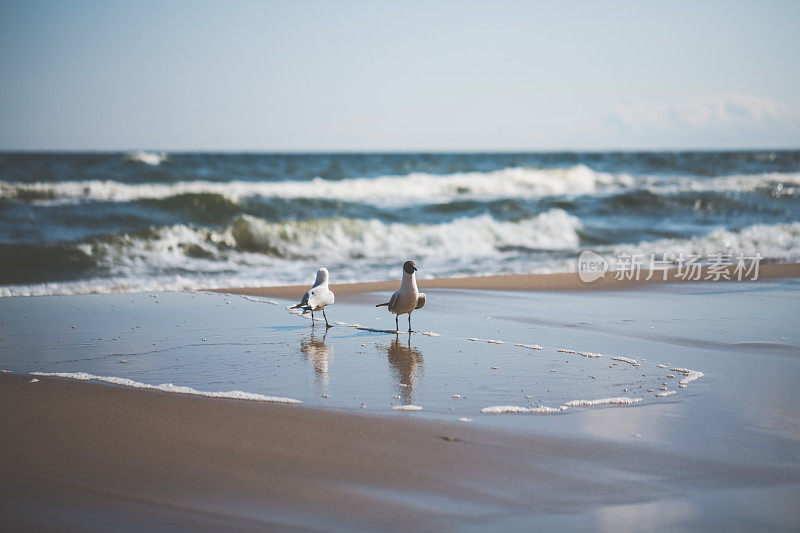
(414, 267)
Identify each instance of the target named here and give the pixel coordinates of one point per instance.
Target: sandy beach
(107, 454)
(83, 455)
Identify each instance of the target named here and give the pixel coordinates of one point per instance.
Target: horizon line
(392, 152)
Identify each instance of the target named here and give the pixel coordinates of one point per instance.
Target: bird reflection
(318, 353)
(407, 364)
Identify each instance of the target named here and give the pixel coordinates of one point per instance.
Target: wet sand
(86, 456)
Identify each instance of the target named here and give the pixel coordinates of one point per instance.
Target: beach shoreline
(86, 455)
(171, 461)
(562, 281)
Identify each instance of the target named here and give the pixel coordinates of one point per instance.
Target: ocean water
(122, 222)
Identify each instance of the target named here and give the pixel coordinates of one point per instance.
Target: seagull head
(409, 267)
(322, 276)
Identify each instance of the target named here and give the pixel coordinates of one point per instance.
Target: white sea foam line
(585, 354)
(625, 360)
(529, 346)
(168, 387)
(464, 419)
(490, 341)
(339, 323)
(620, 400)
(662, 366)
(413, 187)
(540, 410)
(407, 408)
(258, 300)
(430, 334)
(666, 393)
(394, 189)
(691, 375)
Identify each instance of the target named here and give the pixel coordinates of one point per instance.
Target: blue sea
(144, 221)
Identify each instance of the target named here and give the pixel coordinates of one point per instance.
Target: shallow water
(741, 336)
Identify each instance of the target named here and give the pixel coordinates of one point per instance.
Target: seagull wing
(320, 297)
(420, 301)
(390, 303)
(304, 302)
(393, 300)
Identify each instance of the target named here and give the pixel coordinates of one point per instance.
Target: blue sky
(396, 76)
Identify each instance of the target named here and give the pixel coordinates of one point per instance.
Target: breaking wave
(251, 252)
(353, 238)
(148, 158)
(779, 242)
(147, 221)
(412, 188)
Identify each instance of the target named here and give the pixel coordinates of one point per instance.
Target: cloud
(706, 112)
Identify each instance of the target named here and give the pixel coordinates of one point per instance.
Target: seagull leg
(409, 322)
(312, 318)
(396, 325)
(326, 320)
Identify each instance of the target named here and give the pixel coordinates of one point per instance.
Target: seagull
(408, 298)
(317, 297)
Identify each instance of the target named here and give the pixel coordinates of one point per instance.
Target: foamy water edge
(169, 387)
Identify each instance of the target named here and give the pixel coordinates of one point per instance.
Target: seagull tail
(383, 305)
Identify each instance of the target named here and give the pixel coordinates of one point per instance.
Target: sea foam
(148, 158)
(621, 400)
(413, 188)
(626, 360)
(540, 410)
(407, 408)
(691, 375)
(253, 252)
(168, 387)
(409, 189)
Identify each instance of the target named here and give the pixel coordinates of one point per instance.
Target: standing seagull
(408, 298)
(317, 297)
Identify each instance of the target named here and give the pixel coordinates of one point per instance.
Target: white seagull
(317, 297)
(408, 298)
